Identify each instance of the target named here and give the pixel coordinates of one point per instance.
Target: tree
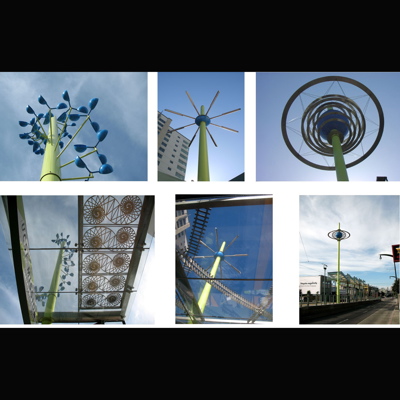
(395, 287)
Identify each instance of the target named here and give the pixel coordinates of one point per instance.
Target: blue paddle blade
(83, 109)
(95, 126)
(65, 95)
(74, 117)
(106, 169)
(42, 100)
(93, 103)
(79, 162)
(102, 158)
(101, 135)
(23, 123)
(30, 110)
(62, 117)
(80, 148)
(60, 106)
(46, 119)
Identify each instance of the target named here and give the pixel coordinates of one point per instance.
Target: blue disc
(219, 254)
(332, 120)
(339, 235)
(202, 118)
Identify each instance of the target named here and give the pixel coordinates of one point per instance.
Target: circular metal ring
(94, 263)
(347, 107)
(115, 283)
(112, 300)
(92, 300)
(130, 207)
(339, 106)
(339, 234)
(93, 283)
(125, 237)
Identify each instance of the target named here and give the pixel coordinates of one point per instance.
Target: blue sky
(274, 160)
(41, 231)
(373, 223)
(227, 160)
(122, 110)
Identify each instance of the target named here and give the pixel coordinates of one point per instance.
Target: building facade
(181, 224)
(173, 151)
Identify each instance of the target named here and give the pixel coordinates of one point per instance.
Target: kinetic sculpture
(332, 125)
(338, 235)
(52, 141)
(203, 121)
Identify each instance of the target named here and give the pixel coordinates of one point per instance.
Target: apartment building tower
(173, 151)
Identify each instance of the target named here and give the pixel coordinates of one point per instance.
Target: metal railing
(318, 300)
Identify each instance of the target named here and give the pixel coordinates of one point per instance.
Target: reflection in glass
(224, 259)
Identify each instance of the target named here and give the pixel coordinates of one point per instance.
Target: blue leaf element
(103, 158)
(42, 100)
(106, 169)
(95, 126)
(23, 123)
(29, 109)
(101, 135)
(80, 148)
(62, 117)
(65, 95)
(83, 109)
(93, 103)
(79, 162)
(74, 117)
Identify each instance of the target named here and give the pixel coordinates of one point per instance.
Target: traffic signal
(395, 252)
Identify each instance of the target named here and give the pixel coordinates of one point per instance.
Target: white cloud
(10, 311)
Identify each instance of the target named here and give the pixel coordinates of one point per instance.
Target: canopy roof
(84, 253)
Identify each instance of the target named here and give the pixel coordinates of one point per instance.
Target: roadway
(385, 312)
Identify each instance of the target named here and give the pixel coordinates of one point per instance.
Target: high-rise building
(173, 151)
(181, 224)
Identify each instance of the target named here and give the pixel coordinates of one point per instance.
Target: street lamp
(325, 267)
(53, 143)
(338, 235)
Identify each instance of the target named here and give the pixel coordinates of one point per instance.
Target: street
(385, 312)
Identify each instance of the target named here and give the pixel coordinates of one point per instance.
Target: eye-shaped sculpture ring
(339, 234)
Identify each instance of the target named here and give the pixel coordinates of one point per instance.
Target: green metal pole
(340, 165)
(203, 173)
(338, 274)
(53, 291)
(51, 164)
(207, 287)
